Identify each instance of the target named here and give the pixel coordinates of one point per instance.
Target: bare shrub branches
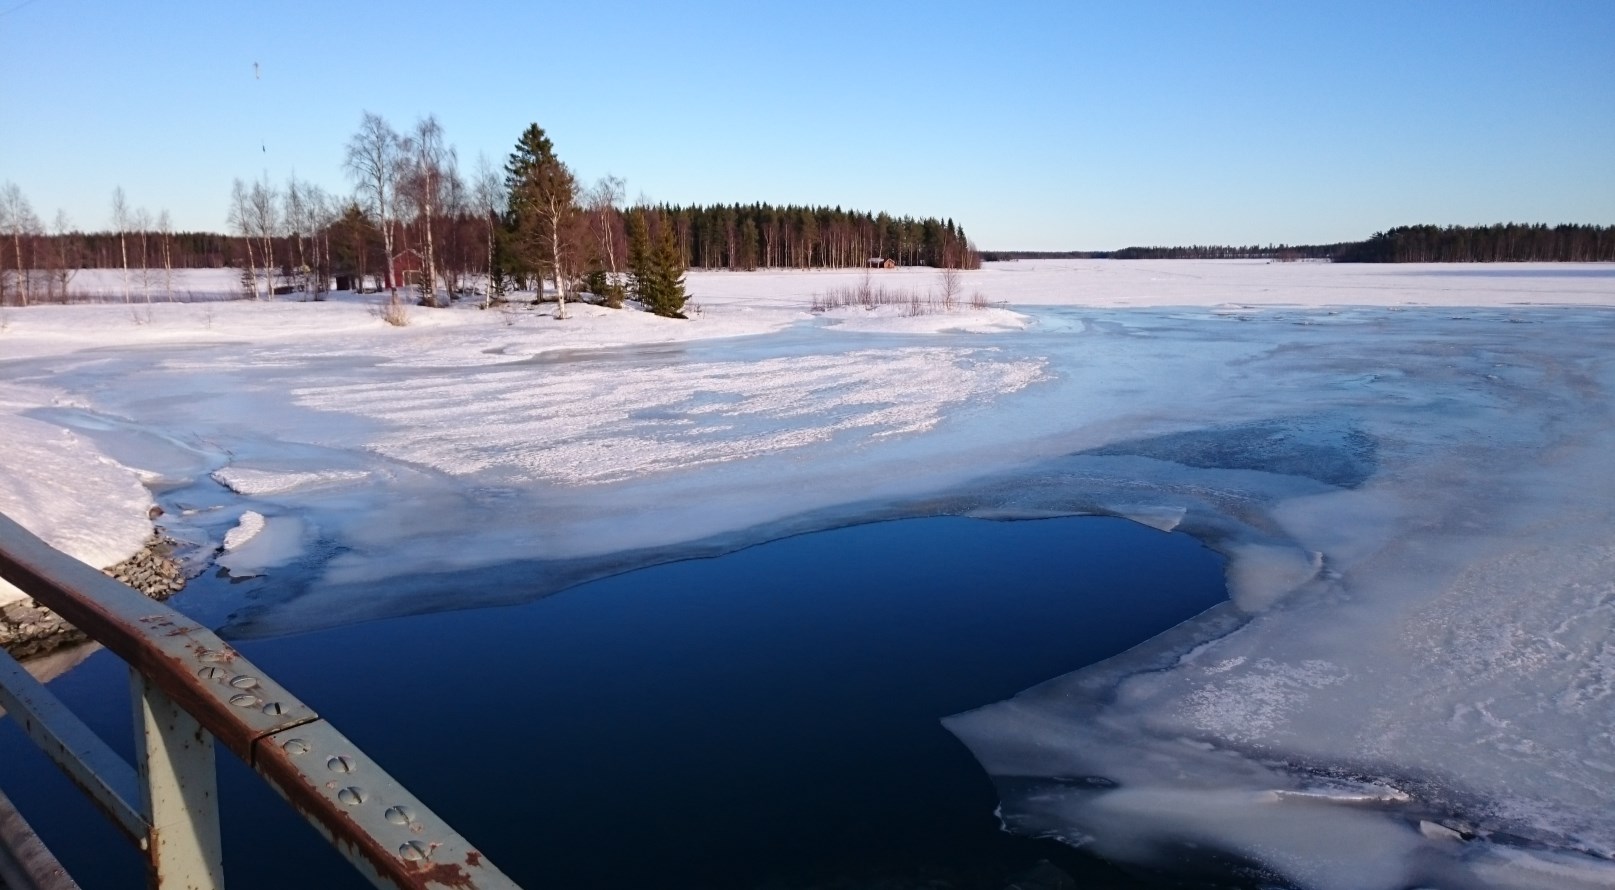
(392, 310)
(868, 295)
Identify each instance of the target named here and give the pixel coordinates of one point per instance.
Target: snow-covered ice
(1413, 682)
(62, 488)
(247, 528)
(258, 543)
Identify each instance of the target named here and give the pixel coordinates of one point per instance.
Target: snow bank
(244, 480)
(258, 544)
(247, 528)
(63, 489)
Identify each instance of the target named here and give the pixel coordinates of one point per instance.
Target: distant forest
(753, 236)
(1502, 243)
(719, 236)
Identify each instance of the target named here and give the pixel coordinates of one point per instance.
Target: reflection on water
(766, 718)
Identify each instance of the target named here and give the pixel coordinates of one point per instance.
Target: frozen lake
(1406, 469)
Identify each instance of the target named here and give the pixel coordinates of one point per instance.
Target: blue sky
(1034, 125)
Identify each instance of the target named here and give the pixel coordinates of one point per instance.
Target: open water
(768, 718)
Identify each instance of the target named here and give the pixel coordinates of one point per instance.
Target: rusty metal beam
(301, 755)
(180, 791)
(367, 815)
(25, 862)
(104, 776)
(188, 662)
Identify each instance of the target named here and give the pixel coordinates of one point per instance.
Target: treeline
(754, 236)
(995, 256)
(1192, 252)
(1502, 243)
(1281, 252)
(101, 250)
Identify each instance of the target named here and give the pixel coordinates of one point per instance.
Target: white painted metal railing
(189, 688)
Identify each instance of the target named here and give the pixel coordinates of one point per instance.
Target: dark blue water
(768, 718)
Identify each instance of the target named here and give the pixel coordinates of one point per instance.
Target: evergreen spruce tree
(669, 270)
(655, 273)
(640, 274)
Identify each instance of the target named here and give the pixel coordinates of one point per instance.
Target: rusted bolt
(295, 747)
(399, 815)
(244, 682)
(352, 796)
(243, 700)
(273, 709)
(414, 851)
(210, 673)
(340, 763)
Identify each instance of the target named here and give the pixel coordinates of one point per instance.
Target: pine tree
(543, 211)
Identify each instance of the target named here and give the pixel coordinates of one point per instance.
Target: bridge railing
(191, 688)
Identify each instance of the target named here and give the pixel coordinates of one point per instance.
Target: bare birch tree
(373, 161)
(142, 223)
(61, 258)
(489, 192)
(264, 206)
(426, 164)
(603, 201)
(165, 235)
(120, 222)
(294, 212)
(454, 204)
(17, 219)
(241, 223)
(322, 216)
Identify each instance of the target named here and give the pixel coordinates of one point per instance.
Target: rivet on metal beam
(352, 795)
(415, 851)
(243, 700)
(244, 682)
(399, 815)
(340, 763)
(210, 673)
(273, 709)
(295, 747)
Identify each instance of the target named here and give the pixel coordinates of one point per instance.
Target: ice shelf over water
(1412, 684)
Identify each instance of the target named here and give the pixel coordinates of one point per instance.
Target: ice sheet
(1416, 502)
(260, 543)
(1453, 639)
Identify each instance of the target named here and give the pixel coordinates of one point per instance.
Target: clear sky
(1054, 125)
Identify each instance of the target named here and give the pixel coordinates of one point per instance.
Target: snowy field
(1409, 468)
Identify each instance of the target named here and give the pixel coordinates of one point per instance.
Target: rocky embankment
(28, 629)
